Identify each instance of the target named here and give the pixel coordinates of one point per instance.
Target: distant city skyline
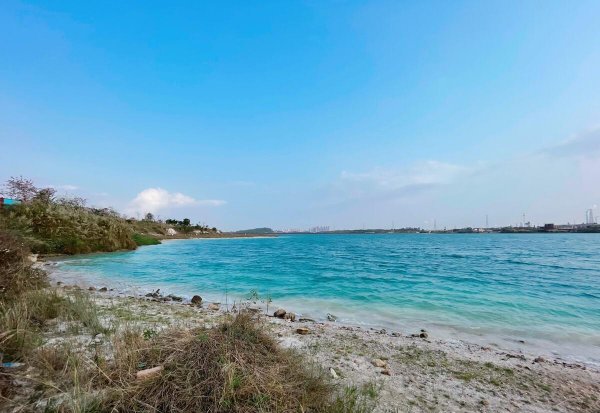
(297, 114)
(590, 218)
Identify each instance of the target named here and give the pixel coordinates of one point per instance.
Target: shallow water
(490, 288)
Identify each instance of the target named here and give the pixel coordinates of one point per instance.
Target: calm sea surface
(496, 289)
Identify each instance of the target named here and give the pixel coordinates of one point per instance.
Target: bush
(67, 228)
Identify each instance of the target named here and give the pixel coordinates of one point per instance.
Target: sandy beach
(408, 371)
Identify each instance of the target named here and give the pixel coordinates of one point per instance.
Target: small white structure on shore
(171, 231)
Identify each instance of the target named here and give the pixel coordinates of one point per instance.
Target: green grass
(142, 239)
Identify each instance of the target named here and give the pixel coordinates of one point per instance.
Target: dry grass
(16, 273)
(233, 368)
(23, 320)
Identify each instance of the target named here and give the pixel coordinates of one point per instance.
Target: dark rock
(197, 300)
(103, 289)
(279, 313)
(539, 359)
(175, 297)
(303, 331)
(290, 316)
(331, 317)
(91, 289)
(424, 334)
(155, 294)
(306, 320)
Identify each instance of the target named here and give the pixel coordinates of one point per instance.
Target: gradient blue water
(494, 288)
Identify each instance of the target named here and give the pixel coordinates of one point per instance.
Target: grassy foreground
(63, 355)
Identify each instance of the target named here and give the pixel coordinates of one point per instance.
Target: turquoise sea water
(498, 289)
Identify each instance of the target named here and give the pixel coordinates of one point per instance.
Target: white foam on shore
(352, 315)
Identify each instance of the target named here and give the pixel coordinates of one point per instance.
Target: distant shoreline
(437, 232)
(213, 235)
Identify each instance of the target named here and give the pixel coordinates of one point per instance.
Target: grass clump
(16, 272)
(22, 321)
(356, 399)
(233, 368)
(27, 305)
(82, 310)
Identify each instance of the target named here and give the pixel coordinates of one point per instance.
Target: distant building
(8, 202)
(589, 216)
(319, 229)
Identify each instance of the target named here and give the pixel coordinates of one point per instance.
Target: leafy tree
(20, 188)
(186, 222)
(149, 217)
(45, 195)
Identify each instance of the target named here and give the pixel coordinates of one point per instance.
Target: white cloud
(585, 145)
(158, 199)
(66, 187)
(211, 202)
(396, 183)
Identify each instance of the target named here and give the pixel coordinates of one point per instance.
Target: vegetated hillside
(256, 231)
(68, 228)
(54, 225)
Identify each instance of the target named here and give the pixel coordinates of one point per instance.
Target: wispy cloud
(157, 199)
(397, 183)
(584, 145)
(65, 187)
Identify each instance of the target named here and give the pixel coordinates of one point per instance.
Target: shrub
(67, 228)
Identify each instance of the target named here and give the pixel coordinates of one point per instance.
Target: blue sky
(293, 114)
